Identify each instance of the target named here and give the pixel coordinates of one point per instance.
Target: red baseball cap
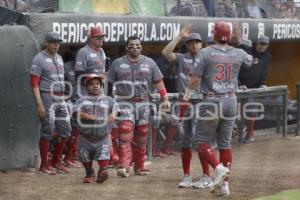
(89, 77)
(96, 31)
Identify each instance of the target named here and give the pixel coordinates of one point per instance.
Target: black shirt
(256, 75)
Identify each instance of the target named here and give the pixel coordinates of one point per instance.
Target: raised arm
(168, 51)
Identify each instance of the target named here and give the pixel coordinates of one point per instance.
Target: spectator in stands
(188, 9)
(253, 10)
(287, 10)
(210, 6)
(224, 8)
(18, 5)
(255, 76)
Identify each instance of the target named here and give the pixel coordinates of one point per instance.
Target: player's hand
(237, 32)
(91, 117)
(111, 118)
(166, 105)
(186, 31)
(41, 110)
(243, 87)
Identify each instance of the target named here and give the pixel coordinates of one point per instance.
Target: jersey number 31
(224, 72)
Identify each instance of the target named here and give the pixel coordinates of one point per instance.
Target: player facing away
(48, 85)
(184, 64)
(216, 75)
(95, 114)
(133, 76)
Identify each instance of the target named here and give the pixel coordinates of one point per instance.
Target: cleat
(90, 179)
(122, 172)
(71, 164)
(60, 168)
(102, 176)
(169, 153)
(185, 182)
(224, 189)
(142, 172)
(204, 182)
(47, 171)
(221, 173)
(248, 139)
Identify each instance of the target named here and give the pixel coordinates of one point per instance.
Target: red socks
(59, 147)
(250, 127)
(207, 154)
(205, 166)
(226, 158)
(44, 147)
(103, 164)
(186, 157)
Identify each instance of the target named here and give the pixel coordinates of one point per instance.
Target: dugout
(19, 132)
(156, 31)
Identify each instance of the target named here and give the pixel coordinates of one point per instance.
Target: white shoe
(122, 172)
(185, 182)
(224, 189)
(221, 173)
(204, 182)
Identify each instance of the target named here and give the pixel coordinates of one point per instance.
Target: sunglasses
(137, 47)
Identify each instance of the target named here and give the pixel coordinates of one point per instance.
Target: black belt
(53, 93)
(216, 95)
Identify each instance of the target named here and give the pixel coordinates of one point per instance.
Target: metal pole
(298, 109)
(285, 113)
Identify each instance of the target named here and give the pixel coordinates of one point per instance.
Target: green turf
(284, 195)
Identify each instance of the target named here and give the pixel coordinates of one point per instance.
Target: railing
(280, 106)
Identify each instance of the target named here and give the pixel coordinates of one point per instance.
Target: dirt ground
(259, 169)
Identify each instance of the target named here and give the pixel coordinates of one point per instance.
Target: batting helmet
(222, 32)
(90, 77)
(96, 31)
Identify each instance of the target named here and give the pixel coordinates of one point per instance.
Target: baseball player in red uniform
(133, 76)
(217, 71)
(184, 64)
(47, 81)
(95, 113)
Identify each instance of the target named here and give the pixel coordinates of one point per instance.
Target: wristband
(163, 92)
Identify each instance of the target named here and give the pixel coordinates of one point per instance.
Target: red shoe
(90, 179)
(71, 163)
(47, 171)
(102, 176)
(60, 168)
(141, 172)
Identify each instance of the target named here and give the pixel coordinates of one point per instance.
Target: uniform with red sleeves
(50, 71)
(133, 82)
